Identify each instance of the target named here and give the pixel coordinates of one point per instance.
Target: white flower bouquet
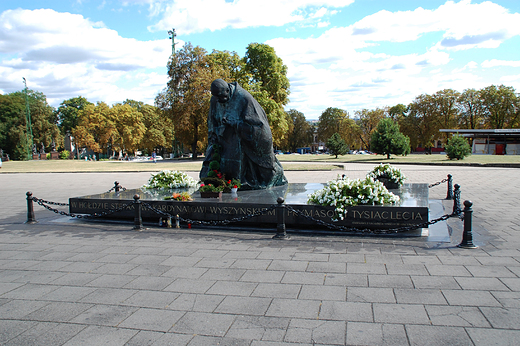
(386, 171)
(343, 193)
(170, 180)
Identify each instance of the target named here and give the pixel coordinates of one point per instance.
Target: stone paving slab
(70, 282)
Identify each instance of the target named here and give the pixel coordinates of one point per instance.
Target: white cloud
(65, 55)
(500, 63)
(362, 79)
(192, 16)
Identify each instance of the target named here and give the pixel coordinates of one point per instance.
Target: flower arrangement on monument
(182, 196)
(170, 180)
(211, 188)
(387, 172)
(344, 193)
(216, 180)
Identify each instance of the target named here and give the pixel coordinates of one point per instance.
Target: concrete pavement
(68, 282)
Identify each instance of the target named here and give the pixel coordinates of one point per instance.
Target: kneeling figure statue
(240, 137)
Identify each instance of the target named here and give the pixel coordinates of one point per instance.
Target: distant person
(154, 157)
(238, 125)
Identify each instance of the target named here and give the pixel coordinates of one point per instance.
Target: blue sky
(349, 54)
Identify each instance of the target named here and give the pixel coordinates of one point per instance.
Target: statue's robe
(246, 145)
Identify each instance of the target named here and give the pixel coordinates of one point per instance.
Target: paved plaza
(70, 282)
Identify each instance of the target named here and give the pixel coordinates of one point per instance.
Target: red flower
(235, 187)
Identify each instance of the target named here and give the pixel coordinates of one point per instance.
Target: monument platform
(412, 209)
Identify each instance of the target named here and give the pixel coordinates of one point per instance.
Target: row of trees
(103, 129)
(493, 107)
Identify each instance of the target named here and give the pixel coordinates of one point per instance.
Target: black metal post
(30, 209)
(280, 215)
(456, 200)
(117, 187)
(467, 235)
(449, 194)
(138, 221)
(177, 221)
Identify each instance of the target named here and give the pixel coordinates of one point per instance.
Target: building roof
(515, 132)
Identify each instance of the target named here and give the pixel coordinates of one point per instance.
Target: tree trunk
(194, 143)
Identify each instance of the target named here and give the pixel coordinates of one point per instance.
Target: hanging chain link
(368, 230)
(457, 212)
(211, 223)
(122, 188)
(437, 183)
(44, 203)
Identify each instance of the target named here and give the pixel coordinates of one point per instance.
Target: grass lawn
(290, 163)
(64, 166)
(412, 158)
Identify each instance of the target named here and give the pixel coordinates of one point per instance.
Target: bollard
(177, 221)
(449, 194)
(280, 215)
(456, 200)
(30, 209)
(467, 235)
(138, 221)
(117, 187)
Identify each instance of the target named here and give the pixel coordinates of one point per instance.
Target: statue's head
(220, 89)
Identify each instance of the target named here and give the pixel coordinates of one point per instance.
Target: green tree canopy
(337, 145)
(331, 121)
(67, 113)
(186, 98)
(368, 120)
(13, 133)
(388, 140)
(269, 85)
(501, 107)
(300, 131)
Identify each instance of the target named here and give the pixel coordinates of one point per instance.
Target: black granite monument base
(412, 209)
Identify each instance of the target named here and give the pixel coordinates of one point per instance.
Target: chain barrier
(211, 223)
(437, 183)
(116, 188)
(44, 203)
(457, 212)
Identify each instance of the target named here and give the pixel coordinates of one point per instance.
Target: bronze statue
(239, 132)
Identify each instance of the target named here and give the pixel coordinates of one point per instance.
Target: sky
(348, 54)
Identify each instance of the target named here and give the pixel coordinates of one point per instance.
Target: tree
(95, 130)
(128, 127)
(457, 148)
(419, 124)
(229, 67)
(12, 126)
(368, 120)
(331, 121)
(446, 111)
(67, 113)
(337, 145)
(186, 98)
(471, 110)
(500, 107)
(300, 131)
(397, 112)
(269, 85)
(387, 139)
(13, 138)
(159, 128)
